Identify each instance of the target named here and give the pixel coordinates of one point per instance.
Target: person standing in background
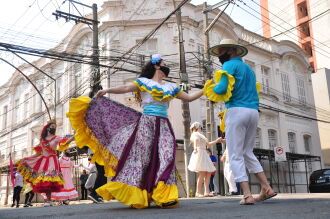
(83, 180)
(214, 161)
(228, 174)
(17, 189)
(90, 183)
(68, 192)
(29, 194)
(200, 161)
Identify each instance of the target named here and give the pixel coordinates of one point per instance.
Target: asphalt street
(283, 206)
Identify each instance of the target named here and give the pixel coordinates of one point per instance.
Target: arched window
(292, 142)
(307, 142)
(258, 138)
(272, 138)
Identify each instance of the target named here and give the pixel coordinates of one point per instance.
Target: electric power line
(273, 27)
(297, 27)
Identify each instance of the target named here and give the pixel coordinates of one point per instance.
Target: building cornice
(146, 22)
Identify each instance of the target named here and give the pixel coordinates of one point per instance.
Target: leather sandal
(208, 195)
(198, 195)
(247, 200)
(265, 195)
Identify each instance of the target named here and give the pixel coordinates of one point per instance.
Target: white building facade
(308, 23)
(282, 68)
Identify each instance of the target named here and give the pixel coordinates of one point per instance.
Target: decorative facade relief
(256, 41)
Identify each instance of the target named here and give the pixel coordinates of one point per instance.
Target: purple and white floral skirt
(144, 146)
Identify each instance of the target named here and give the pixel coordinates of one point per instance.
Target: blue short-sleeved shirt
(245, 91)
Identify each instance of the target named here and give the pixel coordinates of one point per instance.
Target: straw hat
(228, 43)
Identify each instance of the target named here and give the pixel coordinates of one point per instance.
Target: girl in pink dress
(68, 191)
(42, 170)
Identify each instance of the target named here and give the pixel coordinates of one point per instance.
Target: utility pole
(207, 75)
(185, 105)
(210, 128)
(95, 84)
(210, 131)
(96, 78)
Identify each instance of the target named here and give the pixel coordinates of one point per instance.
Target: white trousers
(241, 127)
(91, 180)
(229, 177)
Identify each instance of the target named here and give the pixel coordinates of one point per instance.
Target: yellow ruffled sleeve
(210, 84)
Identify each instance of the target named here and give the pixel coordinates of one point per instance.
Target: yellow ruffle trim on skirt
(164, 193)
(27, 175)
(210, 84)
(85, 137)
(138, 198)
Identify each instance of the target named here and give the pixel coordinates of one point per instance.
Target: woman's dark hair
(148, 70)
(44, 134)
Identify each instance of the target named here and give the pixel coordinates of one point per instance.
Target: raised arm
(118, 90)
(190, 97)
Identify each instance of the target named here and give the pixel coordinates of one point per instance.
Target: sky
(31, 23)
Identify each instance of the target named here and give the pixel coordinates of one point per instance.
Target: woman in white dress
(200, 161)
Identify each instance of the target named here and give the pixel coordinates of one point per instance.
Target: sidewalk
(39, 204)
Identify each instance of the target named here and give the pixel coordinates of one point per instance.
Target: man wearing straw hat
(241, 118)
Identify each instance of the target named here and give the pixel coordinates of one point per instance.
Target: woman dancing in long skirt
(42, 170)
(137, 149)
